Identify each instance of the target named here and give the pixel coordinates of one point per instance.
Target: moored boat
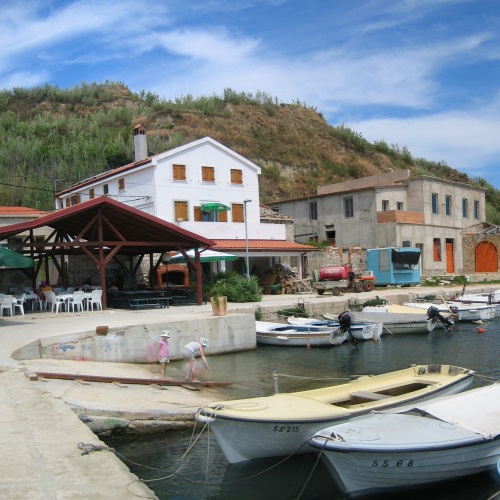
(282, 424)
(293, 335)
(396, 323)
(463, 312)
(361, 330)
(435, 441)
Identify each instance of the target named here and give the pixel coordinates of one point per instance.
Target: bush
(236, 288)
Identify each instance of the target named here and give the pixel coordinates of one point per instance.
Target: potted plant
(218, 298)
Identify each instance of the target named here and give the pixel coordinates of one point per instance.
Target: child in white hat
(163, 352)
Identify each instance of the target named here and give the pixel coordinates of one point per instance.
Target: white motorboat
(463, 312)
(294, 335)
(436, 441)
(282, 424)
(361, 330)
(396, 323)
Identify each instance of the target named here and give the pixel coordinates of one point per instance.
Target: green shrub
(236, 288)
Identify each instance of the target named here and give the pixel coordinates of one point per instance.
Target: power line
(26, 187)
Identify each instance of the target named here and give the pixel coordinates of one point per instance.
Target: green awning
(214, 207)
(13, 260)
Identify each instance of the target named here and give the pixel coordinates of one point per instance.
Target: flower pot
(219, 306)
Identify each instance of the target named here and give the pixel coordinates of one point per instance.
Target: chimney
(140, 143)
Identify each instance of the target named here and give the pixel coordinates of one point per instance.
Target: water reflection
(301, 476)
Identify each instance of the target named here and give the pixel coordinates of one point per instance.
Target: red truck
(340, 279)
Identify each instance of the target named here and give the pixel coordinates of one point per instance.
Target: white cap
(204, 342)
(165, 333)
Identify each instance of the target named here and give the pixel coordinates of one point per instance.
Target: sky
(420, 74)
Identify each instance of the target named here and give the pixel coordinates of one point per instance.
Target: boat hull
(398, 323)
(399, 451)
(280, 334)
(282, 424)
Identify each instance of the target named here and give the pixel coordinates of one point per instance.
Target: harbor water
(190, 465)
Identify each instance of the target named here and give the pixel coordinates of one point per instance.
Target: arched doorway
(486, 258)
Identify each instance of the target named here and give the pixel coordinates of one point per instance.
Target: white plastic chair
(7, 304)
(19, 304)
(76, 301)
(54, 301)
(37, 302)
(95, 299)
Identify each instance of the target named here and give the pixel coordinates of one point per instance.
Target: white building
(203, 187)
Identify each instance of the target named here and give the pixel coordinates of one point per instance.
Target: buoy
(478, 322)
(480, 330)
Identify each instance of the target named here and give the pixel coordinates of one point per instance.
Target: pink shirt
(164, 349)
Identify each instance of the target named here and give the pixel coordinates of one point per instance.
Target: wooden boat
(396, 323)
(439, 440)
(293, 335)
(282, 424)
(361, 330)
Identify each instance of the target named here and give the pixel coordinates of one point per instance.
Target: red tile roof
(20, 211)
(263, 245)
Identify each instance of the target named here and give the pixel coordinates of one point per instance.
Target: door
(450, 266)
(486, 258)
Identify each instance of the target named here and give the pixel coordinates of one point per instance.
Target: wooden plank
(125, 380)
(368, 395)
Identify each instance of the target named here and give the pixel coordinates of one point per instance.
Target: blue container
(394, 266)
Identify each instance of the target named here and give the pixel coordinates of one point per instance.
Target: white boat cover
(477, 410)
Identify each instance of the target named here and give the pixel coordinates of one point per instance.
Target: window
(237, 211)
(179, 172)
(313, 210)
(105, 189)
(465, 208)
(91, 193)
(75, 199)
(476, 209)
(406, 243)
(437, 249)
(399, 205)
(348, 207)
(276, 210)
(121, 184)
(209, 216)
(330, 237)
(181, 210)
(385, 205)
(448, 204)
(207, 174)
(236, 176)
(434, 203)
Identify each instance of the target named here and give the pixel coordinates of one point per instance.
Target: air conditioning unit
(180, 219)
(406, 243)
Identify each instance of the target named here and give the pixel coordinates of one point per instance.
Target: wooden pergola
(106, 230)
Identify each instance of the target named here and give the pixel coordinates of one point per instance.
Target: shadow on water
(302, 476)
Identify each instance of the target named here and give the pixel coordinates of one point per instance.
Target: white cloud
(464, 141)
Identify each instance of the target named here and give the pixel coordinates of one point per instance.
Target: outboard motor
(434, 314)
(345, 325)
(345, 321)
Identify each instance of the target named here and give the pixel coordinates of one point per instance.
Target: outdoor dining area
(54, 301)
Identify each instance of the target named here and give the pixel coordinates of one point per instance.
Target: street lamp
(246, 236)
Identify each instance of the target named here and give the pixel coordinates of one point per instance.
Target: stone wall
(138, 343)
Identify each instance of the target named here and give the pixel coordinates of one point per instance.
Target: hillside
(51, 138)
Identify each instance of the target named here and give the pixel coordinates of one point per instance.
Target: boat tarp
(388, 317)
(477, 410)
(405, 257)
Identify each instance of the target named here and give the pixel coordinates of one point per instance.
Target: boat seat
(374, 396)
